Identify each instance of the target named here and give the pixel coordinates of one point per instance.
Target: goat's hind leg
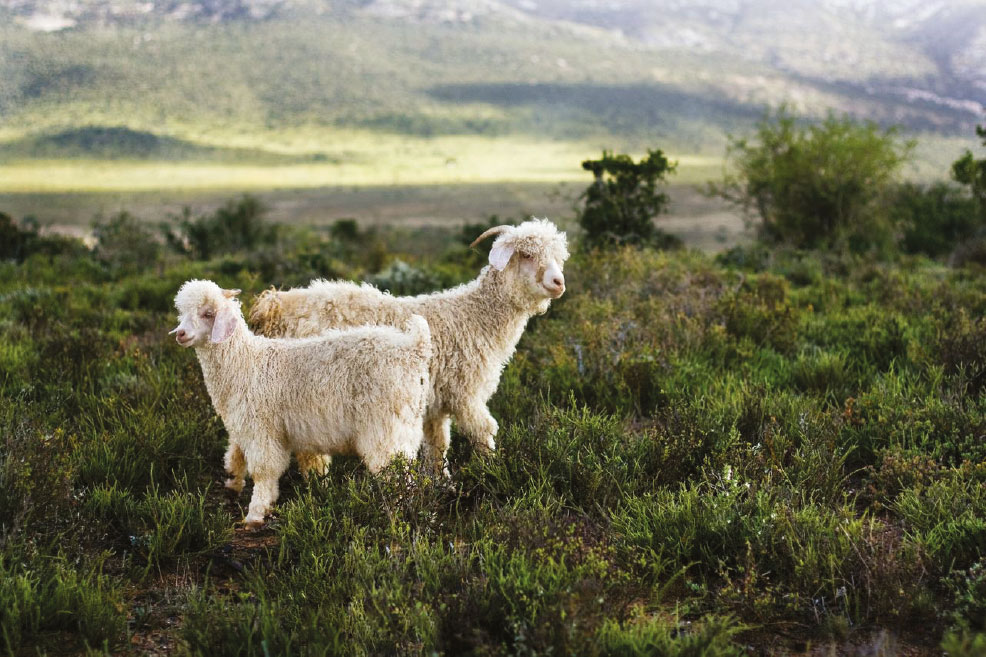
(235, 463)
(437, 436)
(311, 463)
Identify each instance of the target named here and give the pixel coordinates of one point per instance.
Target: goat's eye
(526, 256)
(208, 314)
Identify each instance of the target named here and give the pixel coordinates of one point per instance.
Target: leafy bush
(237, 226)
(623, 201)
(934, 219)
(964, 644)
(819, 185)
(969, 171)
(19, 242)
(400, 278)
(968, 586)
(124, 244)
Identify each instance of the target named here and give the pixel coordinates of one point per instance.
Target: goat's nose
(558, 281)
(181, 334)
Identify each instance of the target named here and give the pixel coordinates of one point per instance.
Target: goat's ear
(222, 327)
(230, 294)
(500, 256)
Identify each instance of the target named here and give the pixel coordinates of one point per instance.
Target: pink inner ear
(223, 327)
(500, 256)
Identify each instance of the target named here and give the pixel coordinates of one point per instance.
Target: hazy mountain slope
(630, 73)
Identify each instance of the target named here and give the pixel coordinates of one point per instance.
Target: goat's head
(531, 256)
(207, 314)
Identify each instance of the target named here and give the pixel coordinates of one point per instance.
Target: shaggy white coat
(359, 391)
(474, 327)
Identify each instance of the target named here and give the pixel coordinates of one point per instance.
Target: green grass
(696, 457)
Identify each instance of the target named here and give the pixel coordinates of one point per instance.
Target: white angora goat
(356, 391)
(474, 327)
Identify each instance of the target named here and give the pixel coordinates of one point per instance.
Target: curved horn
(496, 230)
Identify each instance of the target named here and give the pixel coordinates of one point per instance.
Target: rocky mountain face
(940, 46)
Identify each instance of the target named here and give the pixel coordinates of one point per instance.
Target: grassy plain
(758, 453)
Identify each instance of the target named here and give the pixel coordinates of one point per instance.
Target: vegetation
(237, 226)
(819, 184)
(969, 171)
(696, 456)
(623, 200)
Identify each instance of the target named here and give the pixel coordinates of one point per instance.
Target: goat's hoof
(486, 447)
(254, 522)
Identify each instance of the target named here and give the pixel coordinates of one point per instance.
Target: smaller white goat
(358, 391)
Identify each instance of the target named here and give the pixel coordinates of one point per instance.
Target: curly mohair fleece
(358, 391)
(475, 327)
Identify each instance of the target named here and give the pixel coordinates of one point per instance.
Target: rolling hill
(285, 82)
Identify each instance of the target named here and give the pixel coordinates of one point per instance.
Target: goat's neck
(226, 366)
(504, 317)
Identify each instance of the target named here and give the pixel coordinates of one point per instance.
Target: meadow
(763, 452)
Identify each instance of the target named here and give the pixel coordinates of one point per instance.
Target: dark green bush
(236, 226)
(969, 171)
(20, 241)
(124, 244)
(161, 527)
(934, 219)
(817, 185)
(401, 279)
(968, 586)
(623, 201)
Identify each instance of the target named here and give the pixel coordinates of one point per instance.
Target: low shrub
(236, 226)
(125, 245)
(934, 219)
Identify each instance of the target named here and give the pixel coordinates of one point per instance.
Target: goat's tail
(265, 315)
(419, 332)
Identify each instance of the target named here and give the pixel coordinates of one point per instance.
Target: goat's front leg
(477, 423)
(235, 464)
(265, 464)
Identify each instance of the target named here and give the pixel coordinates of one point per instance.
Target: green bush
(20, 241)
(968, 586)
(969, 171)
(948, 518)
(964, 644)
(124, 244)
(818, 185)
(400, 278)
(623, 201)
(934, 219)
(236, 226)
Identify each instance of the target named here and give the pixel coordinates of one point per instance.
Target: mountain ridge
(626, 73)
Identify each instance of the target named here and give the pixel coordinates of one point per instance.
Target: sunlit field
(381, 161)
